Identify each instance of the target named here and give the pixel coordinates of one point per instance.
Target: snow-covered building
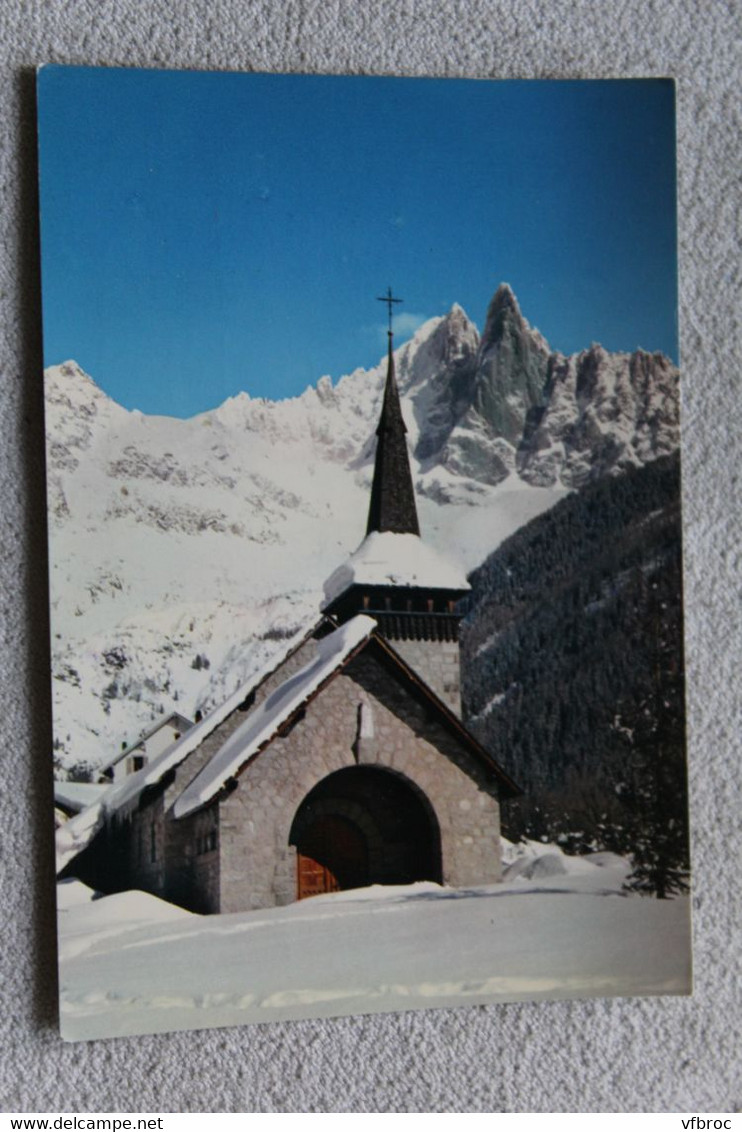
(133, 756)
(346, 764)
(70, 798)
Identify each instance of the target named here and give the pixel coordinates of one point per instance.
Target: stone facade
(257, 863)
(438, 665)
(371, 749)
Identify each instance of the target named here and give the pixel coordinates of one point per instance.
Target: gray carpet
(604, 1055)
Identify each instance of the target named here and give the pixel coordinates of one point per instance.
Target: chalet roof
(174, 717)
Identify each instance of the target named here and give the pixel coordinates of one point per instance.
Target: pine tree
(654, 793)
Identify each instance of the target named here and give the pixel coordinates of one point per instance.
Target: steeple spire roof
(392, 506)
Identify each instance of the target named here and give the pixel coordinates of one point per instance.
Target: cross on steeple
(389, 299)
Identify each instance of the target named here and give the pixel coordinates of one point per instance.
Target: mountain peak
(69, 384)
(69, 373)
(504, 298)
(502, 313)
(512, 367)
(457, 321)
(457, 311)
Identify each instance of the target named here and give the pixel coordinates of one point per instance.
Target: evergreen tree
(572, 673)
(654, 795)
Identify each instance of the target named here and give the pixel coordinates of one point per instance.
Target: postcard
(362, 428)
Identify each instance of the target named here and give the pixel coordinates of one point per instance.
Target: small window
(207, 842)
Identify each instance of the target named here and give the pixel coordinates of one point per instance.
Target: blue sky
(207, 233)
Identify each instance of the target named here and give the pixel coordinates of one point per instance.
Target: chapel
(343, 765)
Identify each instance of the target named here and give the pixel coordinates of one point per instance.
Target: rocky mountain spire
(392, 506)
(512, 367)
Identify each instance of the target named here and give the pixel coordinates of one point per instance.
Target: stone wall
(145, 847)
(257, 864)
(136, 854)
(193, 874)
(410, 738)
(438, 664)
(235, 854)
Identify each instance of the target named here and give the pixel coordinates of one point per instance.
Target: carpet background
(601, 1055)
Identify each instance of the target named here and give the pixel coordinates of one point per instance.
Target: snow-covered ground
(556, 927)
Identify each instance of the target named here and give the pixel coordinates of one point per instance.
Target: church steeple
(392, 506)
(409, 589)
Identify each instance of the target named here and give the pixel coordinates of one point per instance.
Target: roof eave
(452, 721)
(285, 724)
(508, 786)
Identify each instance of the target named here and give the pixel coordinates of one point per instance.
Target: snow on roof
(265, 719)
(76, 796)
(173, 755)
(76, 834)
(385, 558)
(174, 717)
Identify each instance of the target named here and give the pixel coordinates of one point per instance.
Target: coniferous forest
(572, 667)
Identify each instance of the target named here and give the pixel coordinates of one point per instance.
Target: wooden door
(313, 878)
(331, 855)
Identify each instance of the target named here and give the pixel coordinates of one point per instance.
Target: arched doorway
(333, 855)
(364, 825)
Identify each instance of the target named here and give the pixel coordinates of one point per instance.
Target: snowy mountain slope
(185, 552)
